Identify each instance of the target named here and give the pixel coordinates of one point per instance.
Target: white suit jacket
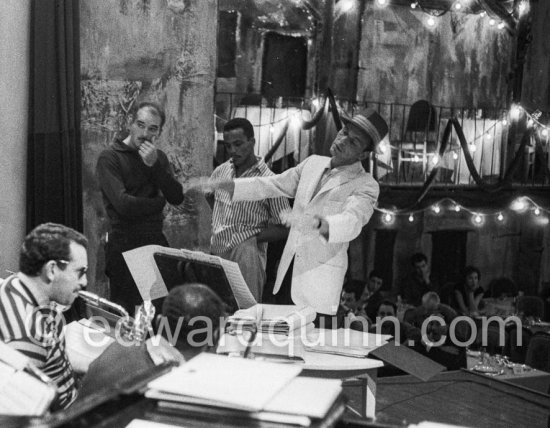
(346, 200)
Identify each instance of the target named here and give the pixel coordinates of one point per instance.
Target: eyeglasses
(81, 272)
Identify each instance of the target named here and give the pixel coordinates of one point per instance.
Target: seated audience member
(433, 318)
(419, 282)
(502, 288)
(52, 269)
(371, 297)
(386, 322)
(431, 306)
(468, 293)
(190, 323)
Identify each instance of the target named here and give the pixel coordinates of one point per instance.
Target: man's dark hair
(154, 107)
(418, 257)
(469, 270)
(194, 303)
(354, 286)
(240, 123)
(375, 273)
(48, 241)
(387, 303)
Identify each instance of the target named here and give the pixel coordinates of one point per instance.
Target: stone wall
(462, 61)
(162, 50)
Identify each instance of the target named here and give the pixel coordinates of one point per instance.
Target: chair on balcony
(418, 144)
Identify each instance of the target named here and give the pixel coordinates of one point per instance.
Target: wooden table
(460, 398)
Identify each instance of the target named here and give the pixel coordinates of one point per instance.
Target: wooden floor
(459, 398)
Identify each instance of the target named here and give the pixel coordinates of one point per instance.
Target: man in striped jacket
(52, 269)
(241, 230)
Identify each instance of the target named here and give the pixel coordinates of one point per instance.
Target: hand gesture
(148, 153)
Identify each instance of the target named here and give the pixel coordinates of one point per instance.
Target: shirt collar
(36, 290)
(259, 165)
(352, 168)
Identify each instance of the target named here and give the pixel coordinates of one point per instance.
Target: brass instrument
(130, 329)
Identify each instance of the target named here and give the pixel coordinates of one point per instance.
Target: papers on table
(21, 393)
(280, 330)
(280, 319)
(346, 342)
(84, 342)
(245, 388)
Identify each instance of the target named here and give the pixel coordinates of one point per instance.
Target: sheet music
(242, 293)
(20, 392)
(150, 284)
(228, 382)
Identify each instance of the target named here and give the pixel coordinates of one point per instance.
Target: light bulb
(504, 122)
(347, 5)
(435, 160)
(519, 204)
(411, 218)
(436, 209)
(472, 148)
(382, 2)
(500, 25)
(458, 5)
(388, 217)
(500, 217)
(483, 13)
(309, 42)
(492, 22)
(488, 136)
(537, 211)
(430, 21)
(413, 5)
(544, 132)
(455, 155)
(477, 219)
(457, 208)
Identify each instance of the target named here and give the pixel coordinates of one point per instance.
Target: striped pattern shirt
(30, 324)
(235, 222)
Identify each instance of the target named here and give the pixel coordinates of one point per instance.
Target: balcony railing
(409, 154)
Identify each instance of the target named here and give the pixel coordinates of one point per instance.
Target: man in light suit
(334, 199)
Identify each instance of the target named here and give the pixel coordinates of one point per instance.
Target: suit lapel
(339, 180)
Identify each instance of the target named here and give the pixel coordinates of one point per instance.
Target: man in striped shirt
(52, 269)
(241, 230)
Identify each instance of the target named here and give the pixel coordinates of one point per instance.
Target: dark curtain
(54, 180)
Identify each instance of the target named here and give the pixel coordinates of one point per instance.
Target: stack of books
(230, 389)
(272, 331)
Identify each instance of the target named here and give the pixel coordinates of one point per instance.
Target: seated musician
(52, 269)
(189, 325)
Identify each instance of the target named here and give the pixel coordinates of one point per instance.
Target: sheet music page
(228, 382)
(144, 270)
(22, 394)
(242, 293)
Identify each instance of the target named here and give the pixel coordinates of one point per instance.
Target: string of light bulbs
(520, 205)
